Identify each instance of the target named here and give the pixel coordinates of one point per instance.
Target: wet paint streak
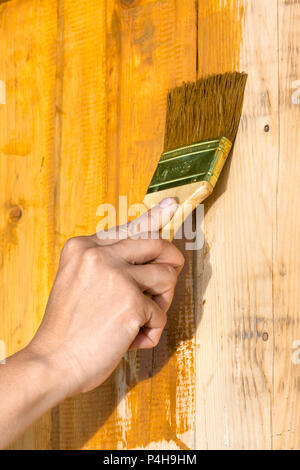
(220, 24)
(173, 383)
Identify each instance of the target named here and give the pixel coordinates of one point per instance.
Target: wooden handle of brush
(188, 196)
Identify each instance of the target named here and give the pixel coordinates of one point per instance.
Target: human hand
(98, 310)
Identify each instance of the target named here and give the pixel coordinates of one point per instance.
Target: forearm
(28, 388)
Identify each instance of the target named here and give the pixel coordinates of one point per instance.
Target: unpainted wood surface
(247, 341)
(286, 391)
(83, 123)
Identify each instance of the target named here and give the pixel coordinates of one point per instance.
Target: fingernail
(167, 202)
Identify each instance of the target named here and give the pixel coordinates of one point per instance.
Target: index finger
(143, 251)
(149, 222)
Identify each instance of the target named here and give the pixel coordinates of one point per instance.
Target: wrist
(29, 387)
(50, 386)
(56, 362)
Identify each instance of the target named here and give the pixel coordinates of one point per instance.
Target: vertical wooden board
(235, 331)
(286, 411)
(156, 44)
(81, 177)
(81, 130)
(150, 47)
(220, 26)
(27, 121)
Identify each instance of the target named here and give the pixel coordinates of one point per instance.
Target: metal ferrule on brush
(201, 161)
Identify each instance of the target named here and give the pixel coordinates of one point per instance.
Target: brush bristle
(206, 109)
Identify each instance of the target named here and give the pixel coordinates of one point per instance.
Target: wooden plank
(235, 331)
(27, 120)
(220, 25)
(150, 47)
(155, 45)
(286, 412)
(81, 176)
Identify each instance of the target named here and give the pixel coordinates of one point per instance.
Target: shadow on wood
(147, 367)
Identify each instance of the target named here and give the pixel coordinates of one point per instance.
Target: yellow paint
(150, 48)
(220, 24)
(27, 264)
(20, 149)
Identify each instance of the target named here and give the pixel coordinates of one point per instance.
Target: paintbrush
(201, 125)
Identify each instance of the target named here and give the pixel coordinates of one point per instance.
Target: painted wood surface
(82, 123)
(115, 62)
(28, 31)
(145, 403)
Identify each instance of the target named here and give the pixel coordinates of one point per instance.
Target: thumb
(154, 219)
(149, 222)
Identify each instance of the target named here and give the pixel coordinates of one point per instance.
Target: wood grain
(27, 66)
(158, 51)
(234, 362)
(286, 392)
(148, 50)
(81, 182)
(221, 22)
(83, 123)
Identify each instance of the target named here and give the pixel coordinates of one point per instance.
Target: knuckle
(136, 307)
(92, 257)
(133, 324)
(175, 254)
(72, 246)
(116, 276)
(173, 276)
(181, 259)
(156, 338)
(178, 257)
(133, 301)
(132, 310)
